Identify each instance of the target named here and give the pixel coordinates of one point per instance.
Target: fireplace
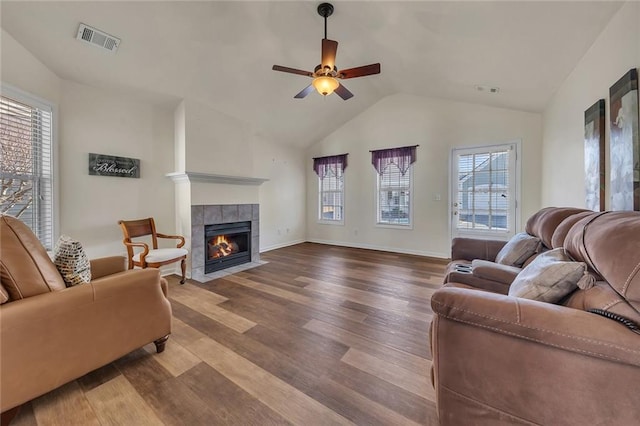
(226, 245)
(203, 216)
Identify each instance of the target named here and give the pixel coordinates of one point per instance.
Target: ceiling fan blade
(343, 92)
(360, 71)
(292, 70)
(305, 92)
(329, 49)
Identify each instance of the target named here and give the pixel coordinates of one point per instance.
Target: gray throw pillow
(519, 248)
(551, 276)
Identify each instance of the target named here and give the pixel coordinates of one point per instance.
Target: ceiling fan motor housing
(325, 10)
(319, 71)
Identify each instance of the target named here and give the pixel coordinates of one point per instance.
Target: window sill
(394, 226)
(484, 235)
(331, 222)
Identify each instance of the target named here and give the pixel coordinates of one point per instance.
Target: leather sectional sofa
(474, 259)
(51, 334)
(501, 360)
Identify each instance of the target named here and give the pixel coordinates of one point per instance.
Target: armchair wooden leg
(183, 266)
(9, 415)
(160, 343)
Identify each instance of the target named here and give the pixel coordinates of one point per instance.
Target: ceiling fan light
(325, 85)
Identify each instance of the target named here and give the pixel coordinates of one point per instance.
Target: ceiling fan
(325, 74)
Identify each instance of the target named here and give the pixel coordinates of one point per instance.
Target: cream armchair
(154, 257)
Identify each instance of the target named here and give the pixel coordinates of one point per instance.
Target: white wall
(23, 70)
(106, 122)
(19, 68)
(217, 143)
(99, 121)
(94, 120)
(613, 54)
(282, 198)
(437, 126)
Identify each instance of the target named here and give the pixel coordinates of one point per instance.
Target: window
(330, 171)
(26, 168)
(394, 184)
(484, 190)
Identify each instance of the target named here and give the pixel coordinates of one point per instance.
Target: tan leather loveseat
(500, 360)
(50, 334)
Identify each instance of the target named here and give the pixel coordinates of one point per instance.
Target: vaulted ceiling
(221, 53)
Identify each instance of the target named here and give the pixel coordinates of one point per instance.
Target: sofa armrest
(53, 338)
(494, 271)
(472, 248)
(504, 360)
(106, 266)
(543, 323)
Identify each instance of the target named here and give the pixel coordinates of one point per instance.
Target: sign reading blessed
(109, 165)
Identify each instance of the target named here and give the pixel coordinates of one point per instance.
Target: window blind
(26, 166)
(332, 193)
(483, 190)
(394, 200)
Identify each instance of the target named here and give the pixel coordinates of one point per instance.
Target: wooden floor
(320, 335)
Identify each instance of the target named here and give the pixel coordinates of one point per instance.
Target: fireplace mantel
(213, 178)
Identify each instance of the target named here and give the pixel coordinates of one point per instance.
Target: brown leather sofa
(500, 360)
(51, 334)
(473, 260)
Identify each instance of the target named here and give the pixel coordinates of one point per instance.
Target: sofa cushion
(601, 296)
(544, 222)
(563, 229)
(161, 255)
(519, 248)
(494, 271)
(609, 242)
(71, 261)
(25, 267)
(549, 278)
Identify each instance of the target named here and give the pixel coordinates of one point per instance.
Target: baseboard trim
(433, 255)
(282, 245)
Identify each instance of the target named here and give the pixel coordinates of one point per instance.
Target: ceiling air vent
(97, 38)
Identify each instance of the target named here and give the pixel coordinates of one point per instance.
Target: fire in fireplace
(221, 246)
(227, 244)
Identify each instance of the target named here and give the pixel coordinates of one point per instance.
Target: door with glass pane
(484, 191)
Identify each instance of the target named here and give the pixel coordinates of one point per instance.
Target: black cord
(627, 322)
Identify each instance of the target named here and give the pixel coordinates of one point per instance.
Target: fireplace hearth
(226, 245)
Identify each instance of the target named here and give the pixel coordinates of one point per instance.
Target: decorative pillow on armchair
(549, 278)
(519, 248)
(71, 261)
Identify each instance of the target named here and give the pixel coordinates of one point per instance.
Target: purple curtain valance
(322, 165)
(402, 157)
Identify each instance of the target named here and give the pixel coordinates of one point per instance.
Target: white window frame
(19, 95)
(515, 188)
(320, 219)
(378, 212)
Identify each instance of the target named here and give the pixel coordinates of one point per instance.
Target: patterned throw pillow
(549, 278)
(519, 248)
(71, 261)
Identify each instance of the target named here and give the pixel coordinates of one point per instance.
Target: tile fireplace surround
(215, 214)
